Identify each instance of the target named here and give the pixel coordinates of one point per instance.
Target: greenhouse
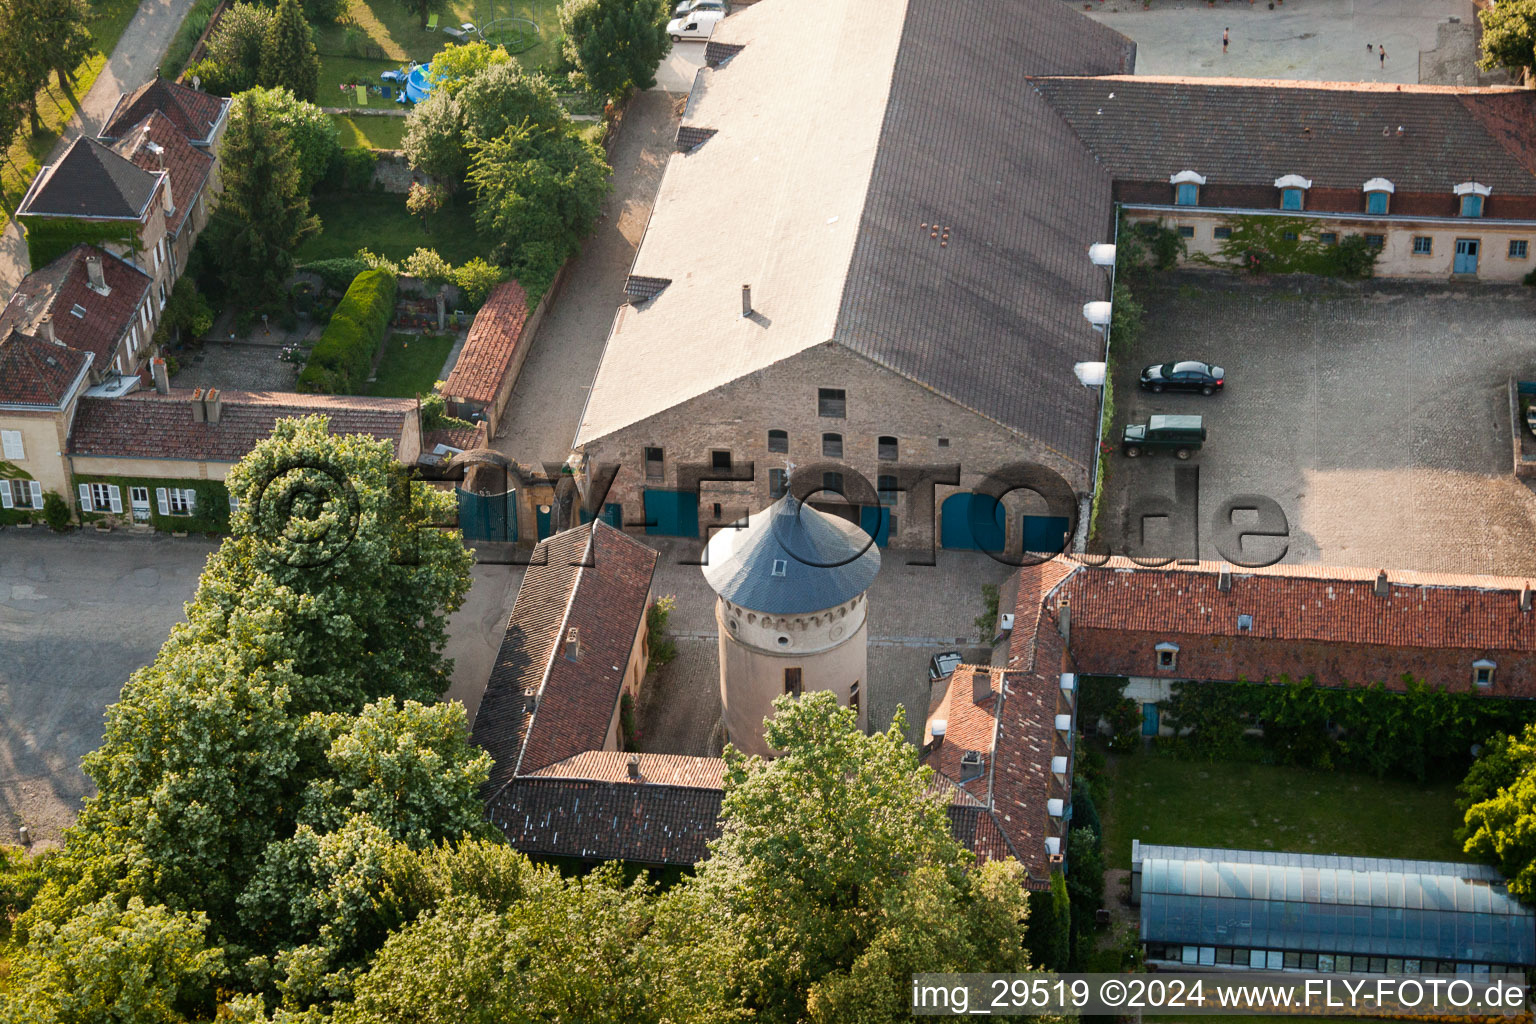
(1293, 911)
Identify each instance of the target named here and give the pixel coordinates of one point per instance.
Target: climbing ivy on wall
(11, 516)
(48, 239)
(1289, 245)
(209, 515)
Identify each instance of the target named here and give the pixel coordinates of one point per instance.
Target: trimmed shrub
(344, 354)
(337, 274)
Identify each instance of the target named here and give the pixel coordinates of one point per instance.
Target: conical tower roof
(790, 560)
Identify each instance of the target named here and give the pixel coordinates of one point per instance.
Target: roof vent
(971, 759)
(746, 300)
(1245, 623)
(77, 311)
(1382, 588)
(1525, 597)
(634, 766)
(1053, 845)
(1068, 682)
(1055, 807)
(780, 567)
(572, 643)
(1059, 764)
(1224, 580)
(1064, 723)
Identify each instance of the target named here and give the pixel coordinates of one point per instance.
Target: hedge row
(344, 354)
(338, 273)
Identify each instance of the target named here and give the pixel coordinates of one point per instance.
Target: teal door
(1045, 533)
(876, 521)
(1466, 256)
(613, 515)
(972, 522)
(543, 521)
(488, 517)
(1149, 721)
(671, 513)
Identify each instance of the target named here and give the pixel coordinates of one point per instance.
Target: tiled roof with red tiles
(967, 702)
(1030, 586)
(640, 822)
(38, 373)
(658, 769)
(189, 167)
(491, 344)
(193, 113)
(463, 438)
(82, 317)
(1338, 135)
(540, 706)
(1314, 603)
(146, 424)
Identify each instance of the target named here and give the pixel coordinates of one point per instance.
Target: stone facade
(929, 429)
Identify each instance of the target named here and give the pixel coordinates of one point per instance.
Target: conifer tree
(288, 55)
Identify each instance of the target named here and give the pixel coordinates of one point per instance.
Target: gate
(488, 517)
(978, 522)
(672, 513)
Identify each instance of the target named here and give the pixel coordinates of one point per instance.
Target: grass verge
(57, 103)
(379, 222)
(411, 364)
(1271, 807)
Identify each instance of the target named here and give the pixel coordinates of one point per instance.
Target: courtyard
(1376, 416)
(1427, 41)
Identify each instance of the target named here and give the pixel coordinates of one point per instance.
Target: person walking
(1381, 51)
(1225, 38)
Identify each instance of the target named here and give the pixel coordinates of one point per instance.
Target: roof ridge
(554, 648)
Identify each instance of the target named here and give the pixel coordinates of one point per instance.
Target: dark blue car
(1187, 375)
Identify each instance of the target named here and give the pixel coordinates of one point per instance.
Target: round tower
(791, 613)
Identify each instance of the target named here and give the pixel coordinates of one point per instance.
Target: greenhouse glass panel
(1293, 884)
(1309, 884)
(1327, 887)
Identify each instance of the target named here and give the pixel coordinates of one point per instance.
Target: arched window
(1378, 195)
(832, 446)
(887, 448)
(1293, 190)
(1472, 195)
(1186, 188)
(887, 486)
(778, 440)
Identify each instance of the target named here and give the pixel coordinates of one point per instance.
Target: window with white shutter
(162, 501)
(85, 497)
(5, 494)
(182, 501)
(101, 497)
(115, 498)
(37, 494)
(11, 446)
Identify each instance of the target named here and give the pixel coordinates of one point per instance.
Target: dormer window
(1482, 673)
(1186, 188)
(1167, 656)
(1293, 190)
(1472, 195)
(1378, 195)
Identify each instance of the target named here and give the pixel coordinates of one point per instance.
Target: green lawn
(1264, 807)
(369, 132)
(58, 103)
(378, 222)
(412, 363)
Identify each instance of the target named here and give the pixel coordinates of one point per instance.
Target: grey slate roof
(1237, 131)
(822, 561)
(90, 180)
(992, 319)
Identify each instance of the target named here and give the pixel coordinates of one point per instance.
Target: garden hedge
(344, 355)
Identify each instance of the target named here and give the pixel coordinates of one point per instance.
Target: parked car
(1182, 435)
(700, 26)
(688, 7)
(1186, 375)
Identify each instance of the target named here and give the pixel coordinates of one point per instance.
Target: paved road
(132, 64)
(552, 389)
(79, 613)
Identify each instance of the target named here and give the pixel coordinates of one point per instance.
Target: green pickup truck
(1183, 435)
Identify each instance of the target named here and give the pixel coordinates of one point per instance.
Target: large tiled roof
(540, 708)
(923, 117)
(648, 824)
(189, 167)
(193, 113)
(82, 317)
(490, 346)
(1338, 135)
(1306, 603)
(655, 769)
(792, 559)
(150, 425)
(90, 181)
(39, 373)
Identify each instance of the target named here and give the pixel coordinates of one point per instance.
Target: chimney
(572, 644)
(939, 727)
(1064, 621)
(213, 404)
(1525, 597)
(981, 685)
(634, 767)
(162, 379)
(199, 413)
(45, 329)
(746, 300)
(167, 200)
(1382, 589)
(96, 275)
(1224, 580)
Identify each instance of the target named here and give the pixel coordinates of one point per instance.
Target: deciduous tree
(288, 55)
(616, 45)
(235, 45)
(1509, 35)
(1500, 802)
(434, 139)
(504, 96)
(422, 8)
(307, 128)
(456, 65)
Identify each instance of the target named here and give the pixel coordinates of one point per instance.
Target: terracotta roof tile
(655, 769)
(189, 167)
(83, 318)
(492, 342)
(463, 438)
(37, 373)
(150, 425)
(193, 113)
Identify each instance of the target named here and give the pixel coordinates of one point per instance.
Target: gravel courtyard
(1376, 416)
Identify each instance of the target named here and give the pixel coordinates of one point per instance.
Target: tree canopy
(308, 129)
(1509, 35)
(1499, 797)
(288, 56)
(615, 45)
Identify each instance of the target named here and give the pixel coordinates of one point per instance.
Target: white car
(700, 25)
(688, 7)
